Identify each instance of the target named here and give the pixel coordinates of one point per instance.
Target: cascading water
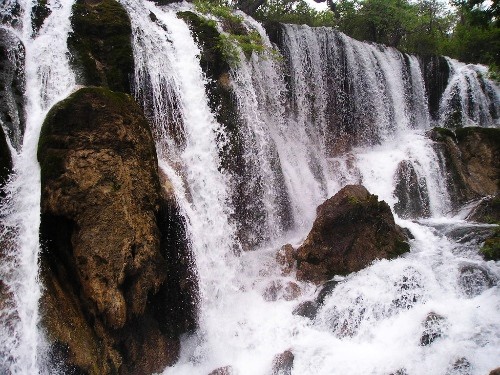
(49, 79)
(332, 111)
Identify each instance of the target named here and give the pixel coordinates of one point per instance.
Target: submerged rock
(283, 363)
(100, 44)
(461, 366)
(434, 325)
(105, 263)
(286, 258)
(226, 370)
(12, 85)
(413, 198)
(474, 279)
(351, 230)
(307, 309)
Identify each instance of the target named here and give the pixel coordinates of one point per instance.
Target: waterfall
(315, 112)
(469, 98)
(48, 80)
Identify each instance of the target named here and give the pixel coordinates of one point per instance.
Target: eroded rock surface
(106, 264)
(351, 229)
(411, 191)
(470, 157)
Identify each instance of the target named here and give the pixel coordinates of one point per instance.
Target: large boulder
(351, 229)
(12, 85)
(109, 299)
(436, 73)
(470, 158)
(101, 44)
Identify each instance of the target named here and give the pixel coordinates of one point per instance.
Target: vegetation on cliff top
(468, 30)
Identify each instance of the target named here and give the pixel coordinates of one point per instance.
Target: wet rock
(5, 163)
(474, 280)
(283, 363)
(469, 157)
(436, 72)
(409, 289)
(487, 211)
(434, 324)
(39, 12)
(351, 230)
(411, 191)
(461, 366)
(307, 309)
(401, 371)
(326, 289)
(227, 370)
(282, 290)
(12, 85)
(495, 371)
(286, 259)
(105, 264)
(100, 44)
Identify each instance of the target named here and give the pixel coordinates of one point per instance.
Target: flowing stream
(331, 111)
(49, 79)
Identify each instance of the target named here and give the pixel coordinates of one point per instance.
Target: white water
(355, 112)
(48, 80)
(470, 97)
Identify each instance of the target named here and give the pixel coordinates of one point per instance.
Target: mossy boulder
(100, 44)
(12, 86)
(110, 302)
(352, 229)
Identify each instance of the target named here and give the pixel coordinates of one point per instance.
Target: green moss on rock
(491, 247)
(101, 44)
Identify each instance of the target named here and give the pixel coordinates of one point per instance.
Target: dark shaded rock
(307, 309)
(461, 366)
(227, 370)
(286, 258)
(434, 324)
(325, 291)
(470, 158)
(274, 31)
(39, 12)
(12, 85)
(5, 163)
(105, 264)
(487, 211)
(351, 230)
(495, 371)
(401, 371)
(283, 363)
(436, 72)
(100, 44)
(411, 191)
(474, 279)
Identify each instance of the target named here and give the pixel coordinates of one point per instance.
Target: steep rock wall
(105, 259)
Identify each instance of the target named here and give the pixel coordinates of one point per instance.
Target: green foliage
(217, 8)
(235, 35)
(491, 247)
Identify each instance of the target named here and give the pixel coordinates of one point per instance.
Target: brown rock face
(350, 231)
(104, 262)
(470, 156)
